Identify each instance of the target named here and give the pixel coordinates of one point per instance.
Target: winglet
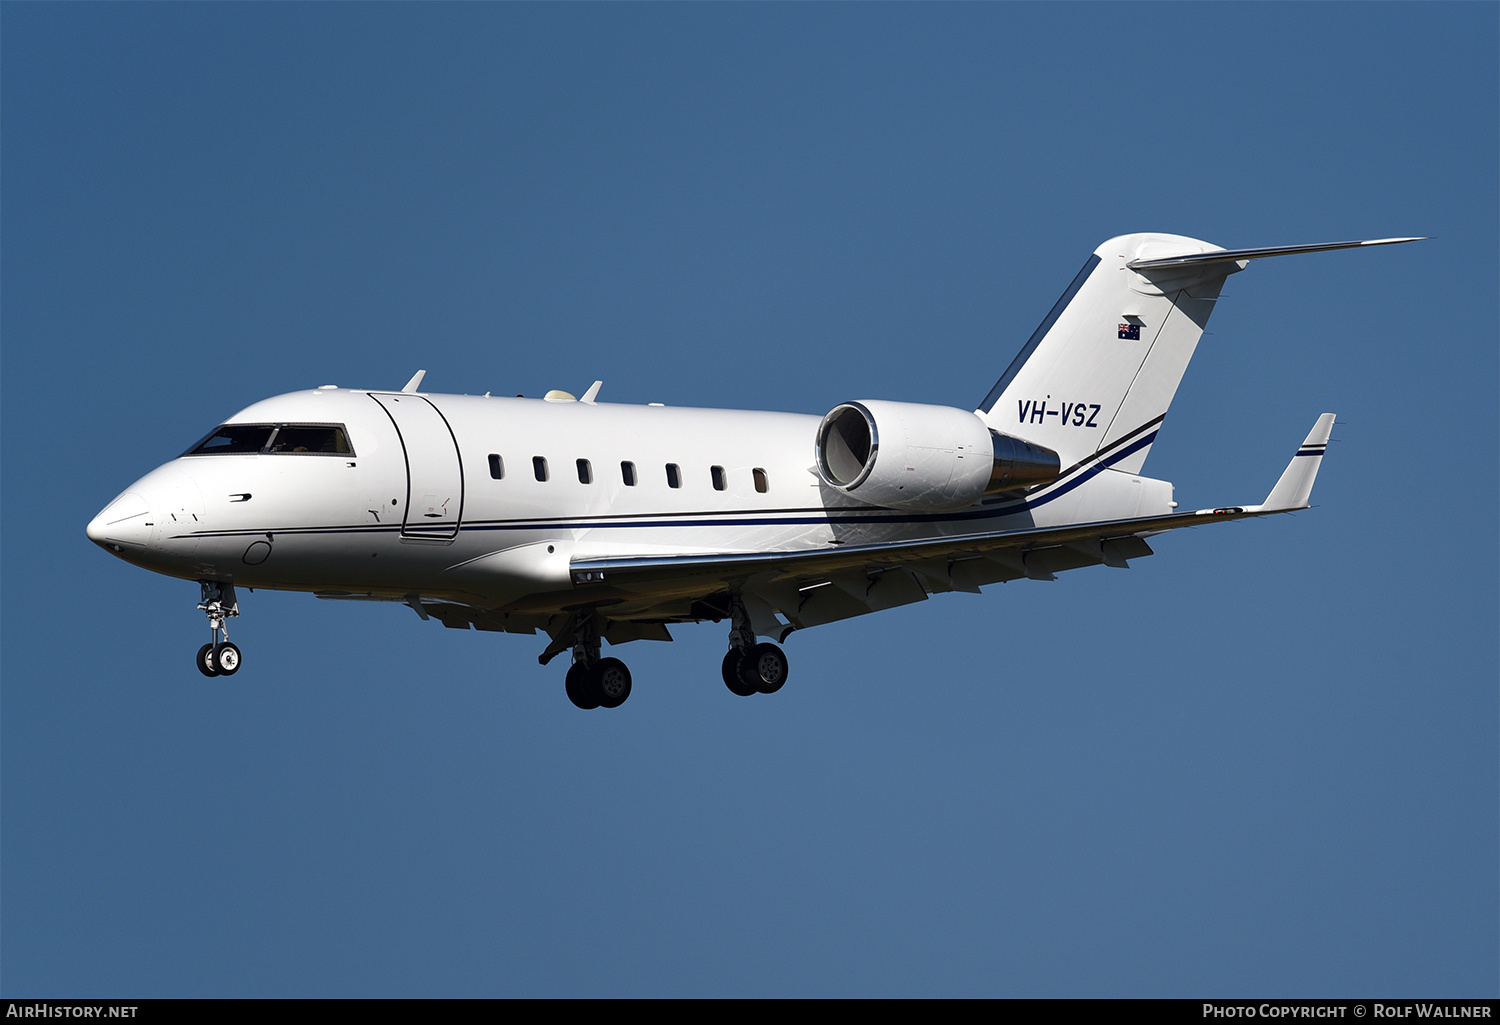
(414, 383)
(1296, 483)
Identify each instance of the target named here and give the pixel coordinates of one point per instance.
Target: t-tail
(1095, 379)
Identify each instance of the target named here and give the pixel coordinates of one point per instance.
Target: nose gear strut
(218, 657)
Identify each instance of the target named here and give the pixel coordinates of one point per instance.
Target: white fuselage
(606, 523)
(417, 508)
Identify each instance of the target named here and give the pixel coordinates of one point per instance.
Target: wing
(822, 585)
(636, 598)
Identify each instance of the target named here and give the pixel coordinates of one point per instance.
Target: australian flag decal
(1131, 331)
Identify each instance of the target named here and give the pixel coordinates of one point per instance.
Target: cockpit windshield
(235, 439)
(321, 439)
(275, 439)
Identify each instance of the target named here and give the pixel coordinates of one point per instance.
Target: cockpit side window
(276, 439)
(315, 439)
(233, 439)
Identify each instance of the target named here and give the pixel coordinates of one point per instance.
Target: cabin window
(585, 472)
(539, 467)
(627, 473)
(674, 476)
(497, 467)
(761, 484)
(717, 472)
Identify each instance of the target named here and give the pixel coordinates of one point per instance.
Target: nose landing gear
(218, 657)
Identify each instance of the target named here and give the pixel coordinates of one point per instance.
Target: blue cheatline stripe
(873, 517)
(1037, 335)
(1106, 455)
(1075, 477)
(1092, 471)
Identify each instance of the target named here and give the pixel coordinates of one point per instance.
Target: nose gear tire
(226, 659)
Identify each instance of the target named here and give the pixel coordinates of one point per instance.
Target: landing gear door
(434, 478)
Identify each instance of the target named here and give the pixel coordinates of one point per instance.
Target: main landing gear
(593, 682)
(218, 657)
(604, 683)
(748, 667)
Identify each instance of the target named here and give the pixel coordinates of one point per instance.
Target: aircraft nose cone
(124, 524)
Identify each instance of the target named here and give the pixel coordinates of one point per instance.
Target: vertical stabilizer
(1099, 373)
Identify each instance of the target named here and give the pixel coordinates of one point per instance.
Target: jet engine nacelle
(903, 455)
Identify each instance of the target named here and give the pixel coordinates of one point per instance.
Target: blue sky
(1263, 761)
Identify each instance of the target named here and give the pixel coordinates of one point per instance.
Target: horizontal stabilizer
(1295, 486)
(1235, 255)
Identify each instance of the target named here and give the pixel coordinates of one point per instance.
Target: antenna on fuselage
(415, 382)
(592, 393)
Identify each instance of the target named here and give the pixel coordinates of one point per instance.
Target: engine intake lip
(847, 444)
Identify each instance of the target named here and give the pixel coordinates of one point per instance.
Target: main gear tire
(612, 682)
(764, 667)
(582, 688)
(731, 672)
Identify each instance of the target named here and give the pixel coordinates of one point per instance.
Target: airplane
(591, 522)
